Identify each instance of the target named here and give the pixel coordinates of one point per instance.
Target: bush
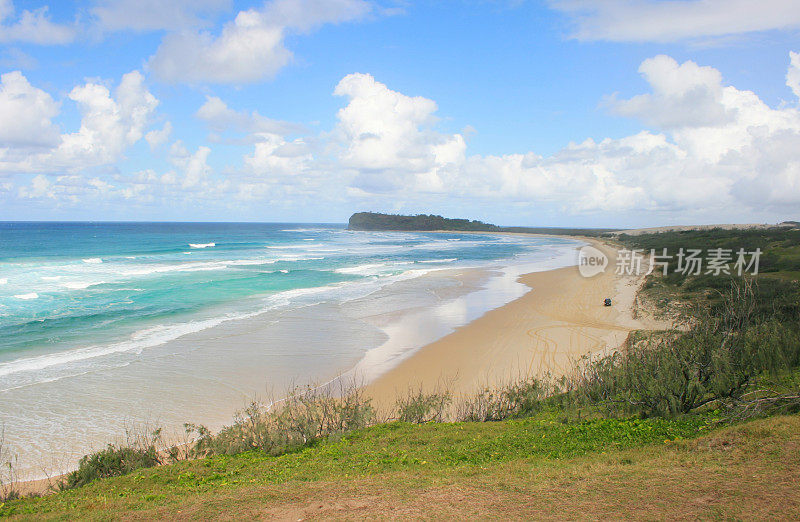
(302, 418)
(520, 398)
(111, 462)
(418, 407)
(717, 360)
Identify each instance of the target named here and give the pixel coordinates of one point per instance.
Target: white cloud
(149, 15)
(793, 74)
(715, 148)
(219, 117)
(193, 167)
(387, 137)
(109, 125)
(155, 138)
(39, 188)
(675, 20)
(251, 47)
(712, 150)
(33, 27)
(684, 95)
(273, 157)
(26, 113)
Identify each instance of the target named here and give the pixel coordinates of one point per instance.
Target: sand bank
(559, 320)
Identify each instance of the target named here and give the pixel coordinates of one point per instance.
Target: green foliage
(780, 248)
(718, 359)
(418, 407)
(376, 221)
(303, 418)
(111, 462)
(523, 397)
(439, 449)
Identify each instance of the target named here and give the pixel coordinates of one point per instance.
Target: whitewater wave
(26, 297)
(92, 260)
(360, 269)
(449, 260)
(3, 281)
(80, 285)
(202, 245)
(158, 335)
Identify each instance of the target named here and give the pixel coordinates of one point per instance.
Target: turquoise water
(77, 291)
(104, 326)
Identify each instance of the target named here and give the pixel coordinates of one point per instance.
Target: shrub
(717, 359)
(139, 451)
(418, 407)
(302, 418)
(516, 399)
(111, 462)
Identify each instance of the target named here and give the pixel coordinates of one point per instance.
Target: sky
(600, 113)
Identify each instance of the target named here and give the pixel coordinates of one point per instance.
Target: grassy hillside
(538, 467)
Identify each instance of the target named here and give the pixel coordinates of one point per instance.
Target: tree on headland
(377, 221)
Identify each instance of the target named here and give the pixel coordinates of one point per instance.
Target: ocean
(104, 326)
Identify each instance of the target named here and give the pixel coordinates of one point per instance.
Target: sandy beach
(559, 320)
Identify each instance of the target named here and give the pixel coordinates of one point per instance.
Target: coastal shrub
(418, 407)
(717, 360)
(305, 416)
(518, 398)
(141, 449)
(111, 462)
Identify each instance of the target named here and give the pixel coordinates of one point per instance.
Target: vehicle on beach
(607, 301)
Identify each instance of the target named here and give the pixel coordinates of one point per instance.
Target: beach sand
(560, 319)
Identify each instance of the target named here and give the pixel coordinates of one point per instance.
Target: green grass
(396, 447)
(685, 468)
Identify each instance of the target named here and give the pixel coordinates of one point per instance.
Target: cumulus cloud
(250, 47)
(711, 150)
(275, 158)
(156, 137)
(708, 139)
(220, 118)
(684, 95)
(675, 20)
(149, 15)
(109, 124)
(793, 75)
(34, 27)
(387, 137)
(26, 113)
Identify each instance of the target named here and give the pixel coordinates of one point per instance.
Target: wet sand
(560, 319)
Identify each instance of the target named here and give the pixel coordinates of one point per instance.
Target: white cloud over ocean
(249, 48)
(706, 146)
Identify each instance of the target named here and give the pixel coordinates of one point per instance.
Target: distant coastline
(372, 221)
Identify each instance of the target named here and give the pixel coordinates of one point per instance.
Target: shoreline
(397, 319)
(474, 366)
(558, 320)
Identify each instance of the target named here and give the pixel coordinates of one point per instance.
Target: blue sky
(563, 112)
